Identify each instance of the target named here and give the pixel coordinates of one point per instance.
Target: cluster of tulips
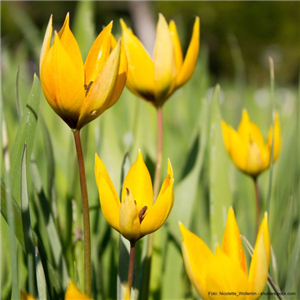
(79, 93)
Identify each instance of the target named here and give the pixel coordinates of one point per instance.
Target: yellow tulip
(73, 293)
(25, 296)
(246, 146)
(223, 275)
(136, 215)
(155, 79)
(80, 93)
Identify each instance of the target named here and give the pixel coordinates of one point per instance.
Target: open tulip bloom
(155, 79)
(246, 146)
(224, 275)
(79, 92)
(136, 215)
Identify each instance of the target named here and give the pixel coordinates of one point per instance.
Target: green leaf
(26, 134)
(219, 191)
(27, 231)
(40, 276)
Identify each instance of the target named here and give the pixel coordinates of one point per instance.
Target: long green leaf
(27, 231)
(219, 191)
(40, 276)
(26, 134)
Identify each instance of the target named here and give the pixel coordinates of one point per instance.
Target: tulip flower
(224, 275)
(25, 296)
(79, 92)
(73, 293)
(246, 146)
(136, 215)
(155, 79)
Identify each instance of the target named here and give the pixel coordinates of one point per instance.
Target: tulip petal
(277, 138)
(109, 200)
(101, 91)
(73, 293)
(226, 275)
(232, 243)
(238, 149)
(130, 226)
(138, 181)
(98, 54)
(25, 296)
(46, 42)
(140, 78)
(121, 80)
(70, 45)
(197, 258)
(156, 215)
(164, 61)
(226, 135)
(190, 60)
(258, 273)
(62, 84)
(176, 46)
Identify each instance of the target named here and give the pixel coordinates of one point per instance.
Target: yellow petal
(121, 80)
(260, 261)
(176, 46)
(232, 243)
(226, 275)
(164, 60)
(62, 84)
(138, 181)
(129, 218)
(190, 60)
(46, 42)
(226, 135)
(238, 149)
(98, 54)
(102, 90)
(156, 215)
(70, 45)
(113, 41)
(109, 200)
(197, 258)
(140, 78)
(73, 293)
(25, 296)
(277, 138)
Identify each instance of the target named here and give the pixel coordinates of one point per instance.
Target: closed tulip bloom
(79, 92)
(155, 79)
(220, 275)
(73, 293)
(136, 215)
(246, 146)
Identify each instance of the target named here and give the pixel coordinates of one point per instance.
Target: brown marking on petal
(87, 87)
(142, 213)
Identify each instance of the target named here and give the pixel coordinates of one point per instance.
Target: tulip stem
(86, 215)
(157, 175)
(130, 270)
(257, 203)
(157, 178)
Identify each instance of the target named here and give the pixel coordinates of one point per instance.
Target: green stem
(86, 215)
(157, 178)
(257, 204)
(130, 270)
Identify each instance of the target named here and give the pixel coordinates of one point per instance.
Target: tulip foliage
(94, 80)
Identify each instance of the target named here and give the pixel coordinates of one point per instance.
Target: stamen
(142, 213)
(87, 87)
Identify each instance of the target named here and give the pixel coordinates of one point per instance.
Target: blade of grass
(219, 191)
(40, 276)
(27, 231)
(10, 214)
(18, 104)
(272, 80)
(26, 134)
